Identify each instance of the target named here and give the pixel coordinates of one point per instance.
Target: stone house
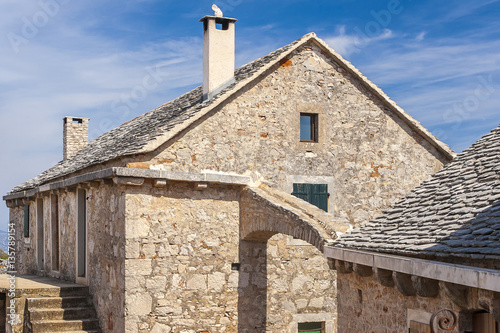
(211, 213)
(435, 255)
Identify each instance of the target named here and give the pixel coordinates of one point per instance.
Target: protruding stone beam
(83, 186)
(384, 277)
(425, 287)
(342, 267)
(404, 283)
(459, 294)
(106, 181)
(130, 181)
(362, 270)
(199, 186)
(159, 182)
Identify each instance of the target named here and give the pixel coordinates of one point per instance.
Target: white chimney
(218, 54)
(75, 135)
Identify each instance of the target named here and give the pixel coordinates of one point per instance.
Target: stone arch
(265, 211)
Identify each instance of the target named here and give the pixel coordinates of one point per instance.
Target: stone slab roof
(149, 131)
(452, 217)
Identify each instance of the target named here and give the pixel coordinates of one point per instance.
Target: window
(316, 194)
(312, 327)
(308, 127)
(26, 221)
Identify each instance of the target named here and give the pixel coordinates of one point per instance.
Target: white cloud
(346, 44)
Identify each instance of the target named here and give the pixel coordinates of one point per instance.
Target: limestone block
(160, 328)
(216, 281)
(138, 267)
(139, 304)
(197, 281)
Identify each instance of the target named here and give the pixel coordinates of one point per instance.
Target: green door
(316, 194)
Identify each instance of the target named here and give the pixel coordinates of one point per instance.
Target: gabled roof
(451, 217)
(149, 131)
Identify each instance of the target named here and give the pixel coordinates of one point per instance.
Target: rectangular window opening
(316, 194)
(77, 121)
(308, 127)
(318, 327)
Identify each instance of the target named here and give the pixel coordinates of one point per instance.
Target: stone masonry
(75, 135)
(168, 256)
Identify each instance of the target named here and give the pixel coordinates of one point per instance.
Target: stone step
(37, 314)
(47, 326)
(59, 302)
(62, 292)
(86, 331)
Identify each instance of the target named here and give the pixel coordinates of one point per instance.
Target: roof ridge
(150, 130)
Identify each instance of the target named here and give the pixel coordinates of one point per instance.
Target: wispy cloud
(347, 44)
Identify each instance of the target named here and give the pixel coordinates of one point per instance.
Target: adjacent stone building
(435, 252)
(211, 213)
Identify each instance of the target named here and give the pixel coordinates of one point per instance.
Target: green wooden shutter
(302, 191)
(26, 221)
(316, 194)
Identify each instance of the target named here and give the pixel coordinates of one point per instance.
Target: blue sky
(439, 60)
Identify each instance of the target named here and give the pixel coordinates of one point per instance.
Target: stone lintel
(131, 181)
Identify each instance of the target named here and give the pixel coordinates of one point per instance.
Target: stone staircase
(67, 310)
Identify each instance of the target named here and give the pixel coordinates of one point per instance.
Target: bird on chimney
(217, 11)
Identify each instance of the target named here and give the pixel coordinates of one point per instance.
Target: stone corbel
(83, 186)
(457, 293)
(384, 277)
(159, 182)
(199, 186)
(106, 181)
(362, 270)
(404, 283)
(425, 287)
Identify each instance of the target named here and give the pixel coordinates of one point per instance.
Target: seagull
(217, 11)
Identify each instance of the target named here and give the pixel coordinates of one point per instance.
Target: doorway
(81, 238)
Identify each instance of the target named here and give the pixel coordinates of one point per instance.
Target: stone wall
(373, 157)
(106, 247)
(180, 247)
(364, 305)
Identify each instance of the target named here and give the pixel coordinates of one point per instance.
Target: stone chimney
(218, 54)
(75, 135)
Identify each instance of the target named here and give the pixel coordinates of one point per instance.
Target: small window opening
(308, 127)
(312, 327)
(235, 267)
(77, 121)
